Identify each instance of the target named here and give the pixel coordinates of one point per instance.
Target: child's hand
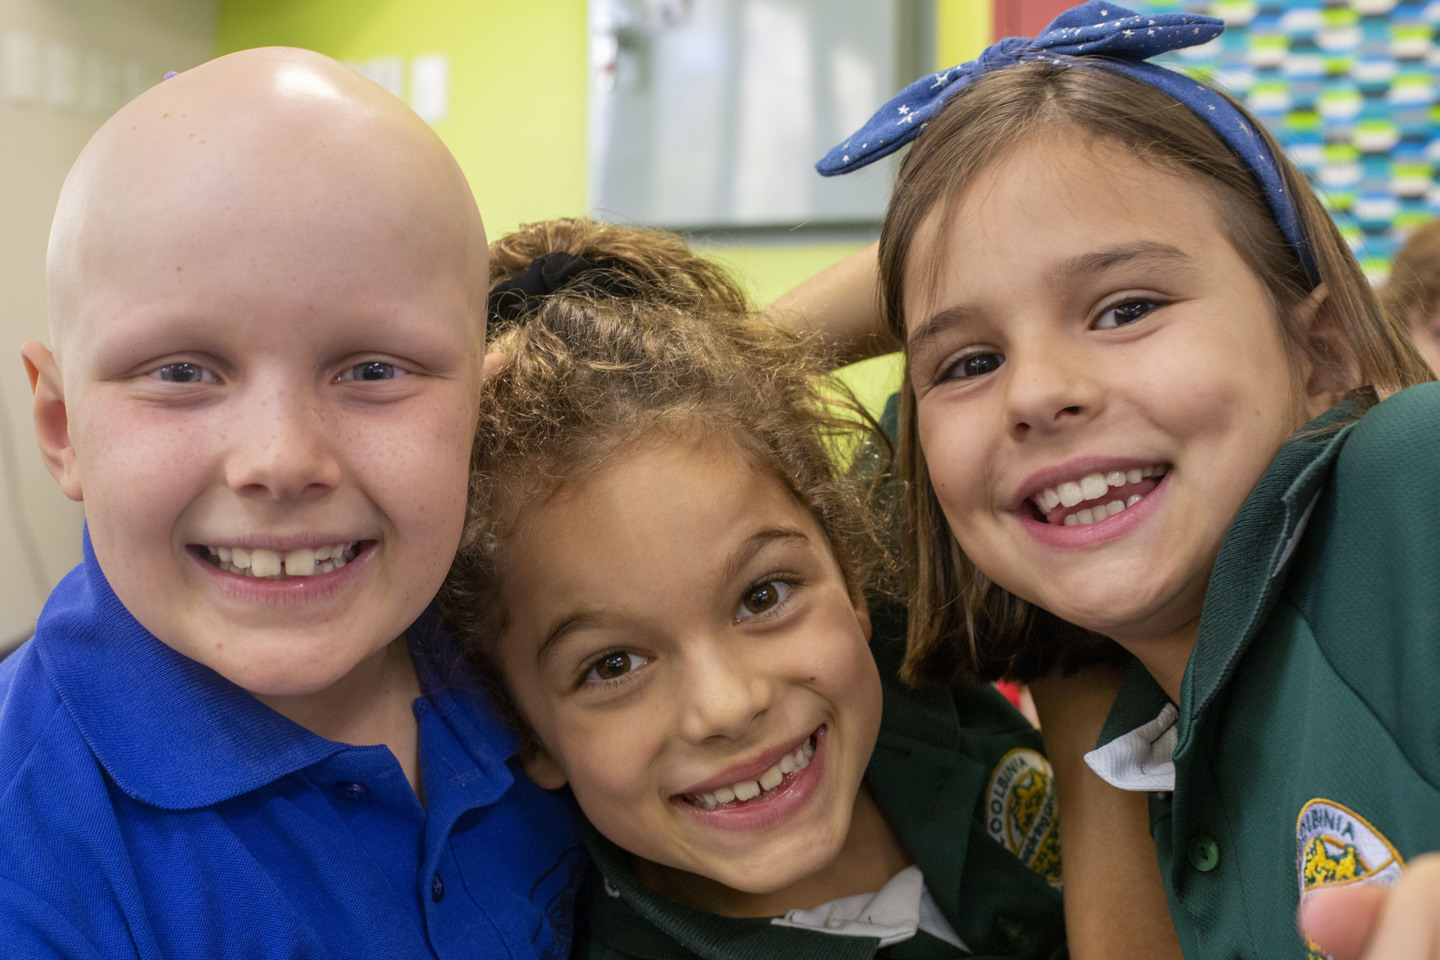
(1379, 923)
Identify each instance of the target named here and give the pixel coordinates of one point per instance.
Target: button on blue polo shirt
(150, 808)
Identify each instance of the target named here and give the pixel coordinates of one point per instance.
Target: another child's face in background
(1093, 334)
(681, 634)
(254, 387)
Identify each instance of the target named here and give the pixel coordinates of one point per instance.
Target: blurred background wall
(65, 65)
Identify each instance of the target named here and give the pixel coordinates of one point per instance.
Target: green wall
(517, 83)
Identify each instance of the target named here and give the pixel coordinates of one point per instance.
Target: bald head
(261, 154)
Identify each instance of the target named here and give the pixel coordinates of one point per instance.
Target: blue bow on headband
(1102, 35)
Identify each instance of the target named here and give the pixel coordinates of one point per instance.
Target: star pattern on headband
(1087, 29)
(1101, 35)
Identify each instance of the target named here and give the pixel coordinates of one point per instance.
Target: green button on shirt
(1308, 749)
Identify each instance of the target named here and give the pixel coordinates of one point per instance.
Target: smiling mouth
(766, 785)
(1095, 496)
(271, 565)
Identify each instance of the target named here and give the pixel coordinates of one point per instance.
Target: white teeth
(746, 790)
(1100, 512)
(799, 759)
(300, 563)
(264, 563)
(270, 564)
(1093, 486)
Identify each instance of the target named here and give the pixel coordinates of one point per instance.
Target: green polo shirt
(954, 768)
(1306, 749)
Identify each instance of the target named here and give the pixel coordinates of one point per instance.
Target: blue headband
(1107, 36)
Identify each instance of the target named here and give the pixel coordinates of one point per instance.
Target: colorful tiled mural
(1350, 88)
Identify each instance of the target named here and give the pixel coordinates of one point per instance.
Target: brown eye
(762, 597)
(977, 365)
(614, 665)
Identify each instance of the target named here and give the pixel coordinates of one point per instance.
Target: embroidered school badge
(1020, 811)
(1337, 847)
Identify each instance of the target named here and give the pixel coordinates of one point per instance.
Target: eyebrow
(743, 554)
(1147, 252)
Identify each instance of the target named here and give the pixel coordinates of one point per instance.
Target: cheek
(950, 444)
(139, 473)
(421, 464)
(852, 679)
(609, 773)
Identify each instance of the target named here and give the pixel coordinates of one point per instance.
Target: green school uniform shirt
(1306, 745)
(958, 773)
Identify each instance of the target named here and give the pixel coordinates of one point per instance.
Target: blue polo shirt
(150, 808)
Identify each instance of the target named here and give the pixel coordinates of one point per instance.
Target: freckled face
(685, 647)
(1094, 343)
(276, 363)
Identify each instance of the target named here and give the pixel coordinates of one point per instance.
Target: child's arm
(842, 303)
(1114, 900)
(1379, 923)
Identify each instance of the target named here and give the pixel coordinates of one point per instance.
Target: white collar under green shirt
(1143, 759)
(892, 914)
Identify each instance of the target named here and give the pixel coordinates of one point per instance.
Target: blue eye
(184, 373)
(614, 665)
(975, 365)
(762, 598)
(372, 370)
(1125, 313)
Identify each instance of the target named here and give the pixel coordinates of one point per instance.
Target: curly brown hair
(665, 267)
(589, 377)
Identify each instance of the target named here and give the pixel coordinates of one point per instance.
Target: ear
(493, 364)
(1326, 383)
(542, 767)
(52, 421)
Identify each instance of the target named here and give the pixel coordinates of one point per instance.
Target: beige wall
(64, 66)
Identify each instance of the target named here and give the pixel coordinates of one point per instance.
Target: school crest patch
(1020, 811)
(1337, 847)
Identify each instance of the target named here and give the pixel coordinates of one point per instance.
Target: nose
(723, 692)
(1050, 386)
(281, 448)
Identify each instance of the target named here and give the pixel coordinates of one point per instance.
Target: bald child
(237, 731)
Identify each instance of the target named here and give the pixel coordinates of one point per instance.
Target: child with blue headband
(1149, 392)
